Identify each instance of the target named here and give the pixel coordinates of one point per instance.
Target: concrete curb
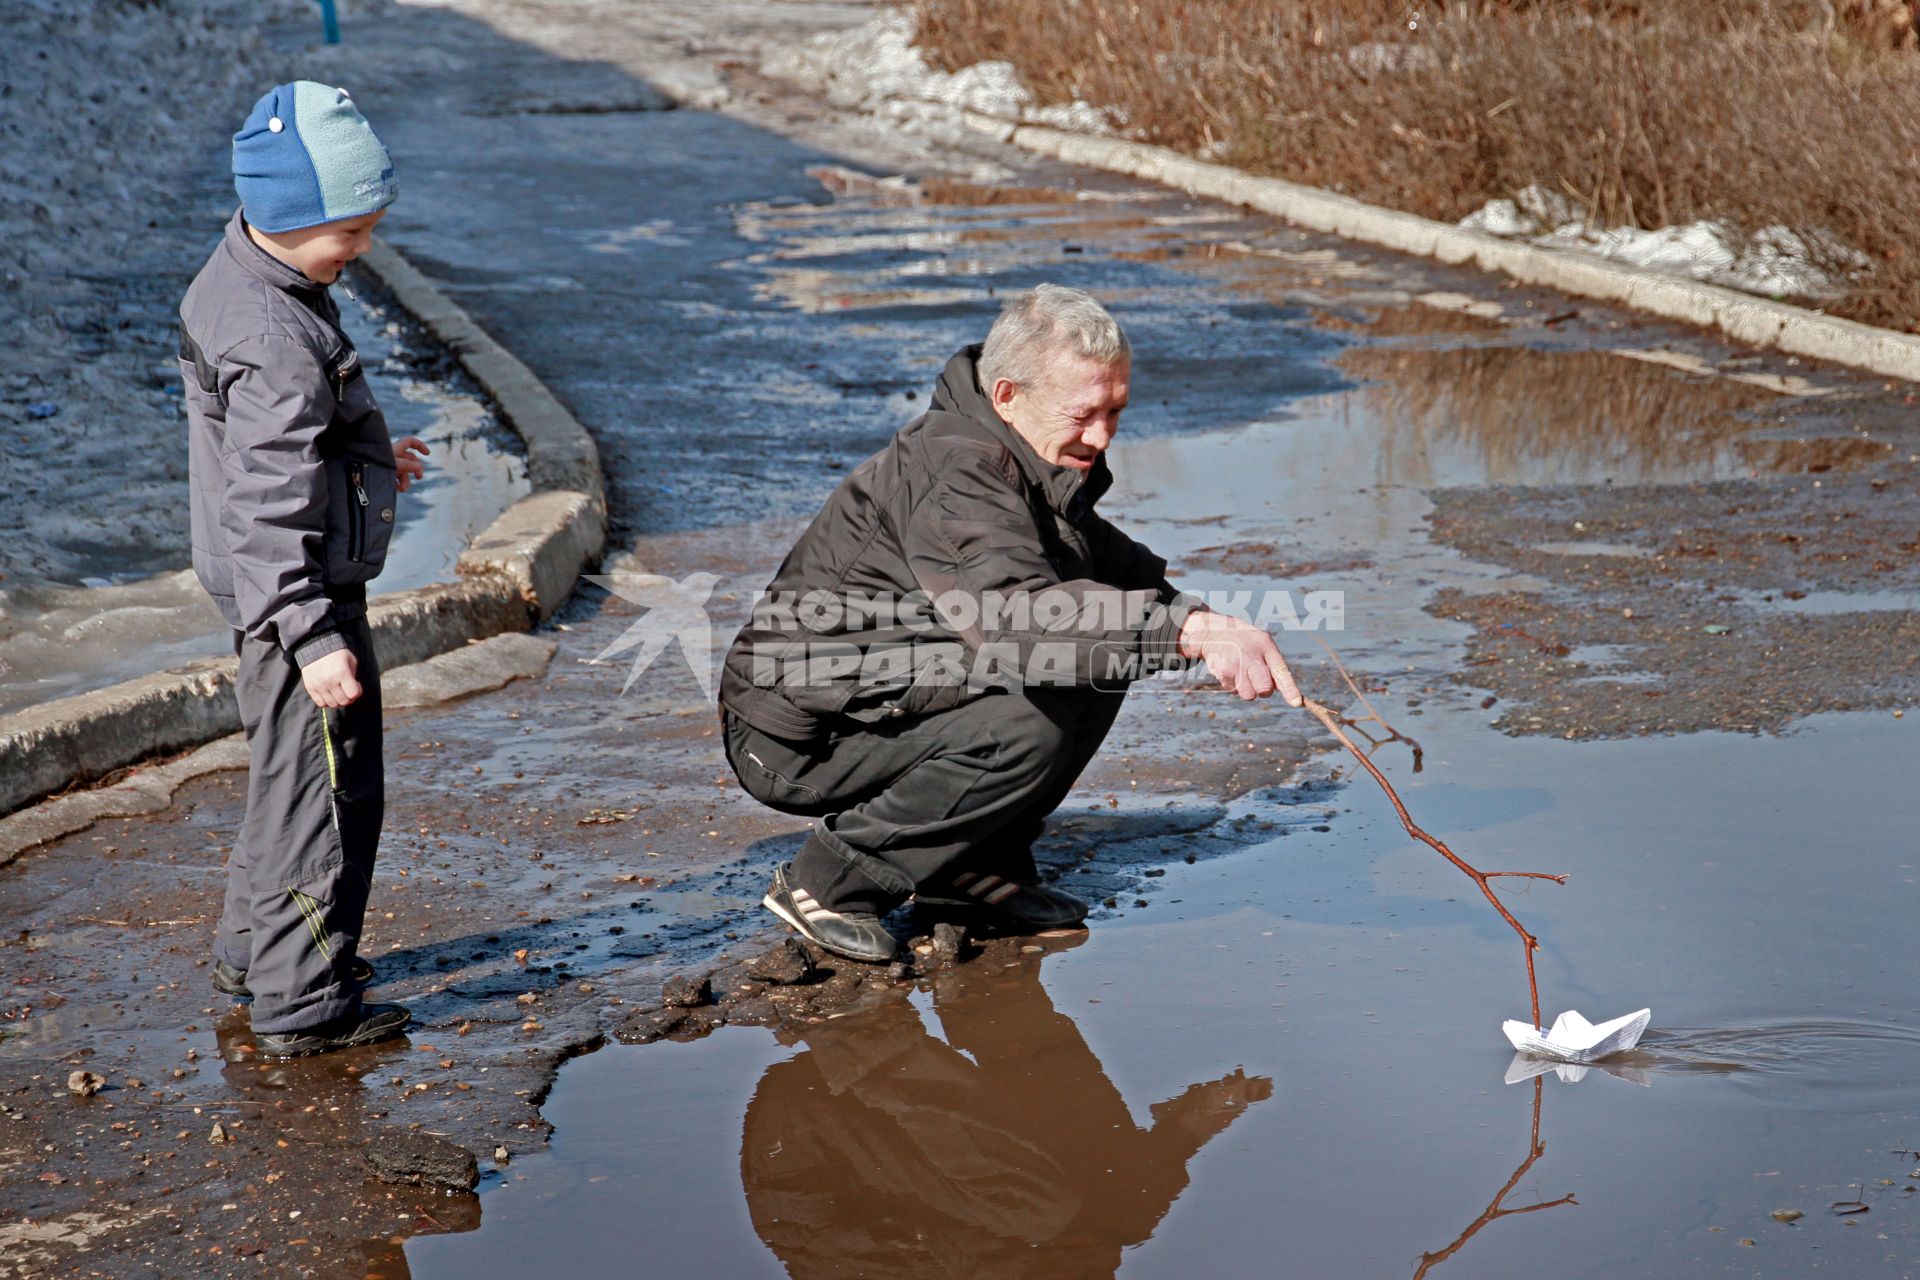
(56, 744)
(560, 453)
(516, 572)
(540, 544)
(1756, 321)
(148, 791)
(458, 673)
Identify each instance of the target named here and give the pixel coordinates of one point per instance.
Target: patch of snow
(1380, 55)
(1078, 116)
(875, 68)
(1776, 262)
(1500, 217)
(1535, 211)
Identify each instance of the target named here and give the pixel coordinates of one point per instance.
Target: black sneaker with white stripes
(857, 935)
(1030, 907)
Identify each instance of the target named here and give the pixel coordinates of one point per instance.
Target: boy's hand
(410, 468)
(331, 680)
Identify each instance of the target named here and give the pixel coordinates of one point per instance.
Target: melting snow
(1776, 262)
(876, 69)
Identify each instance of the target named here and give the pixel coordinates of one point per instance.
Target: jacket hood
(1070, 492)
(263, 264)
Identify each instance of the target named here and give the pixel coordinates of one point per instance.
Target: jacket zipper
(357, 526)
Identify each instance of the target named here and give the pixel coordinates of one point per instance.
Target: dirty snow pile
(1777, 262)
(114, 124)
(875, 68)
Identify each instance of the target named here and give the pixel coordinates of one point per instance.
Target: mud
(1736, 605)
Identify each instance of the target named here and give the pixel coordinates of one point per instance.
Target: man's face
(1071, 414)
(319, 253)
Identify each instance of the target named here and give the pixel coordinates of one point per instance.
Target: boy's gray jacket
(954, 563)
(292, 471)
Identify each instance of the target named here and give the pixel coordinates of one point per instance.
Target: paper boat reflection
(1524, 1068)
(1574, 1039)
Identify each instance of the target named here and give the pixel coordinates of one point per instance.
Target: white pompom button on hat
(276, 124)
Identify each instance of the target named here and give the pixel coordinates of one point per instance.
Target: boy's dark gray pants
(904, 806)
(298, 876)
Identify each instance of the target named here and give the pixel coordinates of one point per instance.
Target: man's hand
(1240, 655)
(331, 679)
(409, 467)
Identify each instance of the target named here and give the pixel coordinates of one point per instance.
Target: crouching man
(946, 646)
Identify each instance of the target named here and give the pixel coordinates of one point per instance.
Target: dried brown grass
(1753, 113)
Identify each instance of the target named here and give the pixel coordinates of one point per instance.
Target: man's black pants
(904, 806)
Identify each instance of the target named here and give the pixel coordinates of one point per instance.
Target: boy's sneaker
(233, 982)
(857, 935)
(372, 1022)
(1029, 907)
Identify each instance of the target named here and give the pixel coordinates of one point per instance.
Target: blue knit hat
(307, 156)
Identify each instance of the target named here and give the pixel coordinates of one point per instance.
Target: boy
(294, 480)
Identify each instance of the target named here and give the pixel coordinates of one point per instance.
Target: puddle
(1813, 1064)
(1334, 476)
(1294, 1052)
(1300, 1056)
(1522, 416)
(1828, 602)
(1623, 549)
(59, 640)
(1610, 664)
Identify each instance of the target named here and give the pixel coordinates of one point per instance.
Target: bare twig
(1373, 713)
(1481, 878)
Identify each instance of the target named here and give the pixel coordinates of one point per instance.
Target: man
(947, 645)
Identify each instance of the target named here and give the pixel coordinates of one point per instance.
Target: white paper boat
(1574, 1039)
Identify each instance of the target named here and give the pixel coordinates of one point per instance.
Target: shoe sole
(771, 904)
(353, 1042)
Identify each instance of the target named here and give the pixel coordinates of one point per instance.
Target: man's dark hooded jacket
(958, 508)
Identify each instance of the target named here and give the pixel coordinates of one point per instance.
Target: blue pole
(330, 20)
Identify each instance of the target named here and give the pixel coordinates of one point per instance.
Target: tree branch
(1528, 942)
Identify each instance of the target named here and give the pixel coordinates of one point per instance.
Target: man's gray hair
(1043, 323)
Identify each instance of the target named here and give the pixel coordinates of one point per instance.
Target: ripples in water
(1832, 1064)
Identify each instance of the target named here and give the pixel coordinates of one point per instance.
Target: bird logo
(674, 611)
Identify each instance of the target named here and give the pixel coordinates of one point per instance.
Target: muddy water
(1291, 1064)
(57, 639)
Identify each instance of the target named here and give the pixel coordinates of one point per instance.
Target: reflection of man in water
(1003, 1152)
